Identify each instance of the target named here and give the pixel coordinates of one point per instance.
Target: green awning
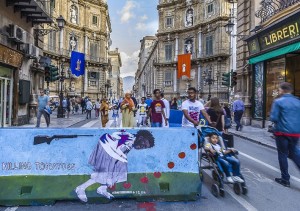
(275, 53)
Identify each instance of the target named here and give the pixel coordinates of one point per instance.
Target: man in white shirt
(166, 109)
(191, 110)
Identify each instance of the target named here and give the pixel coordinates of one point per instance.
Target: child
(229, 163)
(142, 110)
(115, 114)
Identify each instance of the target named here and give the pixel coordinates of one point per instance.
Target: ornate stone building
(115, 91)
(21, 75)
(87, 30)
(195, 27)
(269, 54)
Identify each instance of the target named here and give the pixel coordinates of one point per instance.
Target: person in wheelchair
(224, 158)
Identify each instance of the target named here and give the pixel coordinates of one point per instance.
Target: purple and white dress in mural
(109, 160)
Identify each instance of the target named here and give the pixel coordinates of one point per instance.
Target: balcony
(36, 11)
(269, 8)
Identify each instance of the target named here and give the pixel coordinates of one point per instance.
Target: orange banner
(184, 65)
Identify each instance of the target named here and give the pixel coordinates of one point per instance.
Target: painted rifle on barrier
(97, 165)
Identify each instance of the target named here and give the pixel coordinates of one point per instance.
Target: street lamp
(60, 111)
(229, 27)
(208, 81)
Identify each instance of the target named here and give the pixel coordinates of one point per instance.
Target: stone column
(176, 48)
(199, 44)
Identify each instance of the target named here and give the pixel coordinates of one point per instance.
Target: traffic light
(53, 73)
(233, 79)
(47, 74)
(226, 79)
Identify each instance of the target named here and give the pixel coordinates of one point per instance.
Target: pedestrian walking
(97, 108)
(142, 111)
(43, 101)
(191, 110)
(238, 110)
(68, 109)
(89, 108)
(82, 106)
(166, 110)
(104, 108)
(216, 114)
(148, 101)
(285, 114)
(156, 110)
(227, 117)
(174, 104)
(127, 107)
(64, 105)
(115, 114)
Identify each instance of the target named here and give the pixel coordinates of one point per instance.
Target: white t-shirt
(215, 147)
(143, 109)
(194, 109)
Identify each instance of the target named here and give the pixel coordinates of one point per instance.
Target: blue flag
(77, 63)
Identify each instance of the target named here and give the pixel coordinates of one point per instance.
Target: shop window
(275, 76)
(293, 72)
(258, 101)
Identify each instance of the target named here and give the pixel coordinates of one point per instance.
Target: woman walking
(104, 112)
(127, 107)
(97, 108)
(216, 114)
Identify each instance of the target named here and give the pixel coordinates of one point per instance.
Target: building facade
(87, 30)
(271, 50)
(21, 75)
(196, 28)
(115, 91)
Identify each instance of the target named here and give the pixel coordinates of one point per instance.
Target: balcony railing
(67, 52)
(269, 8)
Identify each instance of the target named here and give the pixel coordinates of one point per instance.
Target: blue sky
(131, 20)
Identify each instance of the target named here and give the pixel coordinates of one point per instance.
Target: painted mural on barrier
(111, 162)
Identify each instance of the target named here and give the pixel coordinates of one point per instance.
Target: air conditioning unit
(31, 51)
(16, 33)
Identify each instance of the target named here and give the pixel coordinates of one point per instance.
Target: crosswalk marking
(91, 123)
(11, 209)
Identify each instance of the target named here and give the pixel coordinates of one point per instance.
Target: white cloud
(126, 12)
(150, 27)
(129, 63)
(144, 17)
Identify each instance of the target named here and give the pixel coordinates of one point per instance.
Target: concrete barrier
(41, 166)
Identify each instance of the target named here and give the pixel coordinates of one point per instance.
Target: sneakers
(238, 179)
(81, 194)
(282, 182)
(230, 180)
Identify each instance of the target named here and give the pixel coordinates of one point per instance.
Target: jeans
(230, 165)
(237, 118)
(88, 114)
(287, 147)
(156, 124)
(97, 112)
(46, 116)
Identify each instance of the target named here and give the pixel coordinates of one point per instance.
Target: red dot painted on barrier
(144, 180)
(157, 174)
(171, 165)
(113, 188)
(127, 185)
(181, 155)
(193, 146)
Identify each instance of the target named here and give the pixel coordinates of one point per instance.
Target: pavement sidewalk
(257, 135)
(59, 122)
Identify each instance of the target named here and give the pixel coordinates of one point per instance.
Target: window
(92, 83)
(209, 45)
(169, 22)
(95, 20)
(210, 8)
(168, 79)
(52, 41)
(168, 52)
(94, 49)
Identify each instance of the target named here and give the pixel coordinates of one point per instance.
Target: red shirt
(157, 107)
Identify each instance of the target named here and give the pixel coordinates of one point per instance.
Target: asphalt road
(259, 166)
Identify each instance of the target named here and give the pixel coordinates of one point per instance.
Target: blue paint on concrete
(70, 156)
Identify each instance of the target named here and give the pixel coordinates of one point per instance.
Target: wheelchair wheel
(237, 188)
(215, 190)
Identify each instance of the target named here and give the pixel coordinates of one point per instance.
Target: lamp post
(114, 95)
(60, 111)
(208, 81)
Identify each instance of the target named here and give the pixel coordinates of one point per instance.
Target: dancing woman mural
(109, 160)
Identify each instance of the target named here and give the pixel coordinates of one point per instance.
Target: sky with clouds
(131, 20)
